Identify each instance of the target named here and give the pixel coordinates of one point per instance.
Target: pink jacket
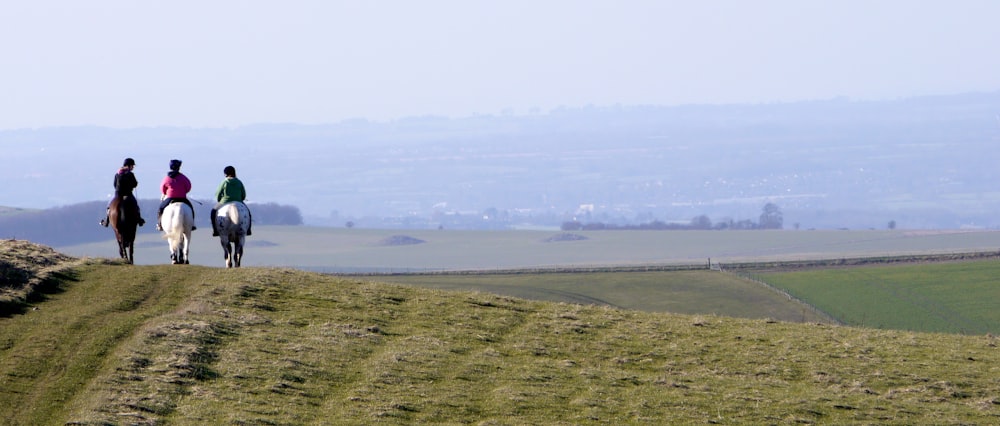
(175, 187)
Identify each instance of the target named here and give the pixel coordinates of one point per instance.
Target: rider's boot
(211, 218)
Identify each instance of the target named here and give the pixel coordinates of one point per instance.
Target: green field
(953, 297)
(685, 292)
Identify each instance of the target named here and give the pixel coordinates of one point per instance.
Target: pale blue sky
(130, 63)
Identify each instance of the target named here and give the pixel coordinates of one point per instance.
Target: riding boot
(107, 219)
(158, 226)
(212, 215)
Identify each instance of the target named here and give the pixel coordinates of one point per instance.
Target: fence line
(747, 276)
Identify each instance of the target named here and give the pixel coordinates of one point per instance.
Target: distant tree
(274, 214)
(571, 226)
(349, 224)
(701, 222)
(771, 217)
(892, 224)
(595, 226)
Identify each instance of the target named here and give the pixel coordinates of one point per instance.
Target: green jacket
(231, 189)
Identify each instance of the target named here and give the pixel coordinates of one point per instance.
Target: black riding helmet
(128, 162)
(229, 171)
(175, 165)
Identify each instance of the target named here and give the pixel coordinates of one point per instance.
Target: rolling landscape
(591, 266)
(918, 163)
(500, 213)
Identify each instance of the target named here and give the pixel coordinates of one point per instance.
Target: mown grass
(957, 297)
(198, 345)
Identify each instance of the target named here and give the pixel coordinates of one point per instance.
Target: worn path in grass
(52, 351)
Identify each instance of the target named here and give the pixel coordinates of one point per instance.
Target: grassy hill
(108, 343)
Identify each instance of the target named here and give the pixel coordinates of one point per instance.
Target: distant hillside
(78, 223)
(926, 162)
(123, 344)
(7, 211)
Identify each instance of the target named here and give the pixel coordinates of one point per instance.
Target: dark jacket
(125, 182)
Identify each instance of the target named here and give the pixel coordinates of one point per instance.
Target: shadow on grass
(37, 292)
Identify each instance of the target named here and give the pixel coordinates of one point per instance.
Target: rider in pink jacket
(175, 187)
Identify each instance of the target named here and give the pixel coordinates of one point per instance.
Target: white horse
(177, 220)
(232, 221)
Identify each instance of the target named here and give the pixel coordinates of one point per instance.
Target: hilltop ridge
(198, 345)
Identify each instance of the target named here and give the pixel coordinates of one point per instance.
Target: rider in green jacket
(231, 189)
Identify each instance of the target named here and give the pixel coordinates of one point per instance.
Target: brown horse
(124, 219)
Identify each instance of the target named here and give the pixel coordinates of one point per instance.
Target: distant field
(846, 297)
(957, 297)
(364, 250)
(685, 292)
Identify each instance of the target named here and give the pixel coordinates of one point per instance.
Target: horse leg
(237, 253)
(226, 254)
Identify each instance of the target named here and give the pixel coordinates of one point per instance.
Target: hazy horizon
(123, 64)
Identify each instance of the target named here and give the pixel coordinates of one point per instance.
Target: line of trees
(770, 218)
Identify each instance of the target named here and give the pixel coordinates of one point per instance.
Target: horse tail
(173, 233)
(173, 220)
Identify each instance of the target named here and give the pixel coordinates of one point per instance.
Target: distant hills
(78, 223)
(925, 162)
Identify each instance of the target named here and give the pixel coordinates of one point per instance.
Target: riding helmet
(175, 164)
(128, 162)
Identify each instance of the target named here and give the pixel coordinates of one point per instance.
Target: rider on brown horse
(125, 182)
